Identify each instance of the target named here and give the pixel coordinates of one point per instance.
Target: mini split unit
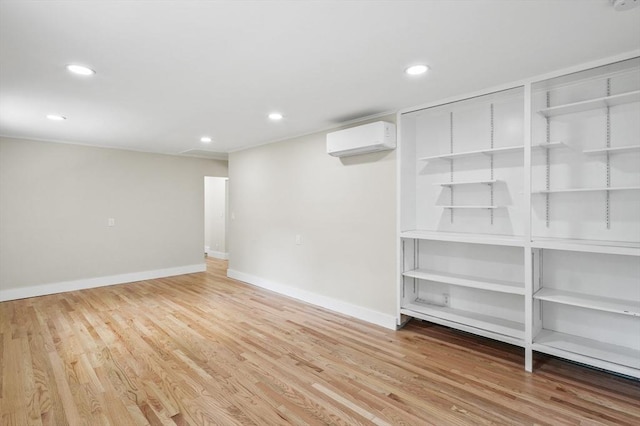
(372, 137)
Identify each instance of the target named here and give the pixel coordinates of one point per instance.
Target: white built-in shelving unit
(519, 215)
(462, 257)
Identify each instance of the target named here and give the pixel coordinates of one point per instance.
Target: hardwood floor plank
(63, 389)
(14, 397)
(203, 349)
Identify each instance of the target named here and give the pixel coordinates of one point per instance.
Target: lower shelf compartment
(588, 351)
(473, 320)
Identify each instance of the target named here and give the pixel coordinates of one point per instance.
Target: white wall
(215, 202)
(344, 210)
(55, 200)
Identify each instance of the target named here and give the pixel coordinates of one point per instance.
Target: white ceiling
(169, 72)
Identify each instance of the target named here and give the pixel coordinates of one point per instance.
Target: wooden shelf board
(469, 182)
(472, 153)
(623, 98)
(489, 239)
(599, 303)
(613, 150)
(501, 286)
(589, 246)
(473, 319)
(560, 344)
(471, 207)
(594, 189)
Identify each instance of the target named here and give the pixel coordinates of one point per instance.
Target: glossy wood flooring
(202, 349)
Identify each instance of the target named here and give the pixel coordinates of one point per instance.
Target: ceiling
(170, 72)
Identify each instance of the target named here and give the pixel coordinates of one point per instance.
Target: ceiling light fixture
(275, 116)
(56, 117)
(80, 69)
(621, 5)
(205, 139)
(417, 69)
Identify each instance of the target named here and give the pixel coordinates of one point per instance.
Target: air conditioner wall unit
(372, 137)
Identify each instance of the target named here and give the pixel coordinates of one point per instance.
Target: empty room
(320, 212)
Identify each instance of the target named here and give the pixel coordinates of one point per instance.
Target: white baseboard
(359, 312)
(218, 254)
(64, 286)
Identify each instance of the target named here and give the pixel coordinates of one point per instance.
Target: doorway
(216, 200)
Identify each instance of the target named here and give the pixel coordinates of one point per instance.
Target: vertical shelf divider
(528, 255)
(608, 139)
(548, 162)
(491, 177)
(451, 165)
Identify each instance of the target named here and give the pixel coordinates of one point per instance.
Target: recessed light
(205, 139)
(275, 116)
(56, 117)
(417, 69)
(620, 5)
(80, 69)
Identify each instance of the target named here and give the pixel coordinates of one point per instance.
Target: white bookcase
(519, 215)
(462, 215)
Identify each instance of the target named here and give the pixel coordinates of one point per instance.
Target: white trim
(346, 308)
(64, 286)
(218, 254)
(118, 148)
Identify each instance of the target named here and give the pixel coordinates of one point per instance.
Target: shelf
(623, 98)
(501, 286)
(588, 246)
(561, 344)
(472, 153)
(471, 207)
(599, 303)
(470, 182)
(613, 150)
(473, 319)
(613, 188)
(459, 237)
(550, 145)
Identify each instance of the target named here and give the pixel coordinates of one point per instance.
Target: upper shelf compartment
(472, 153)
(613, 100)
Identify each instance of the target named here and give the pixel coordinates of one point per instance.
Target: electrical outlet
(111, 222)
(298, 239)
(445, 299)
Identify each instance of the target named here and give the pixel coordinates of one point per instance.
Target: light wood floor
(203, 349)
